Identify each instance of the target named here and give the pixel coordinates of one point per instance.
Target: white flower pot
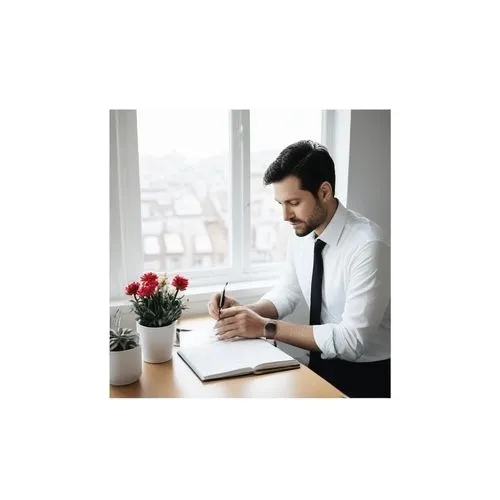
(125, 367)
(157, 342)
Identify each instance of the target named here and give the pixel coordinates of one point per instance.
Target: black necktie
(315, 309)
(316, 284)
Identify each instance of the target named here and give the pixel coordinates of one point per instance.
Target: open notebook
(214, 359)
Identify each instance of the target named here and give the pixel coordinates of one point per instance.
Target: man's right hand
(213, 305)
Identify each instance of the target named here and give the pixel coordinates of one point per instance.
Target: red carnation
(147, 277)
(147, 289)
(131, 288)
(180, 283)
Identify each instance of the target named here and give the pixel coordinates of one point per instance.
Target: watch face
(270, 330)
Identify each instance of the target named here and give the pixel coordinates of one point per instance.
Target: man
(339, 261)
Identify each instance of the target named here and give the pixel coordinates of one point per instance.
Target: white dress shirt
(356, 287)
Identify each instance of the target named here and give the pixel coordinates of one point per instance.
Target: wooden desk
(174, 379)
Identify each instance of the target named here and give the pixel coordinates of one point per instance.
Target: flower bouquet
(157, 306)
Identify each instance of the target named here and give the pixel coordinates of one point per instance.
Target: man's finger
(225, 325)
(230, 311)
(214, 313)
(214, 302)
(229, 335)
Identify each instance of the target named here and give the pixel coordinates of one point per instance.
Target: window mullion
(117, 260)
(246, 245)
(236, 194)
(129, 194)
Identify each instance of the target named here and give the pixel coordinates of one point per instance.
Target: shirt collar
(332, 232)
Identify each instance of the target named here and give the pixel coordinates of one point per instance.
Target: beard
(310, 224)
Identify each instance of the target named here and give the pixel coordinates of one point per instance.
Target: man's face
(300, 207)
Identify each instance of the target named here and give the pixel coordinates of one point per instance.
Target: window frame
(126, 252)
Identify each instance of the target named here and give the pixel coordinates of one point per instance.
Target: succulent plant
(121, 339)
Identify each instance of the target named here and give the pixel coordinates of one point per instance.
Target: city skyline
(185, 212)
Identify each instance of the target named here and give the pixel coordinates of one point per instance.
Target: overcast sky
(197, 133)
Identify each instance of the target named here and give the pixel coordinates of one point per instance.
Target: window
(187, 193)
(183, 163)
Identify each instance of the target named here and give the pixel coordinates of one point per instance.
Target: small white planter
(125, 367)
(157, 342)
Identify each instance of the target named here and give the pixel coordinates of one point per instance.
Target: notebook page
(197, 337)
(227, 356)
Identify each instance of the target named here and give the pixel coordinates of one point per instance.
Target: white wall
(369, 183)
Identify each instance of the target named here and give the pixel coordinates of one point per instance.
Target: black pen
(222, 297)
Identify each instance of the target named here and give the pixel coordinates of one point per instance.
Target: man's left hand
(240, 321)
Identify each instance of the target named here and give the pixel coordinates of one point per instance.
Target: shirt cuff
(323, 336)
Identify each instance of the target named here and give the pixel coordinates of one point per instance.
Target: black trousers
(356, 380)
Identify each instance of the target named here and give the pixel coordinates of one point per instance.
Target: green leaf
(113, 345)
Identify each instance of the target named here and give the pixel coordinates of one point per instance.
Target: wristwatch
(270, 330)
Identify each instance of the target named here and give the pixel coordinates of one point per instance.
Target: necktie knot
(319, 245)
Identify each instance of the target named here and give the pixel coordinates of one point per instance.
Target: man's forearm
(297, 335)
(290, 333)
(264, 308)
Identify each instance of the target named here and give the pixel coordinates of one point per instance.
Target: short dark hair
(307, 160)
